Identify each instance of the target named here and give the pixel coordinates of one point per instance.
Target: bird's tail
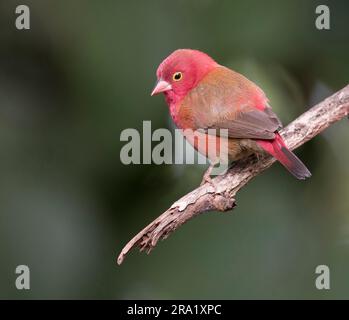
(287, 158)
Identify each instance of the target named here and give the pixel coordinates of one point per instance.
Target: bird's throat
(173, 102)
(174, 114)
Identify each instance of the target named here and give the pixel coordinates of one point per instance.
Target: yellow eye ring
(177, 76)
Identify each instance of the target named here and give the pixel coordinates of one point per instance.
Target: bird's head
(180, 72)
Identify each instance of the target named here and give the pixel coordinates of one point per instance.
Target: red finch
(203, 95)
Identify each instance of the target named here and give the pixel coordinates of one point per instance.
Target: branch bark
(221, 195)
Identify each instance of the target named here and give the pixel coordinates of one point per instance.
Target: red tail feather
(288, 159)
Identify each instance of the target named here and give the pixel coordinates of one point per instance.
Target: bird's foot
(207, 177)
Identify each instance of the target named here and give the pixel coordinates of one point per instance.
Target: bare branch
(221, 195)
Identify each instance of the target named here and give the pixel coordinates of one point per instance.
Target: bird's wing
(253, 124)
(227, 100)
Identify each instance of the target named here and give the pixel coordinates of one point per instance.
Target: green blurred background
(83, 73)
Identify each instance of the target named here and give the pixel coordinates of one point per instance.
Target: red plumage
(204, 95)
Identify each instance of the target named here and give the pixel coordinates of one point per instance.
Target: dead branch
(221, 195)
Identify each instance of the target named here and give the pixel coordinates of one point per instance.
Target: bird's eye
(177, 76)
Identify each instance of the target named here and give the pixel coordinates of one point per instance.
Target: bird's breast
(182, 115)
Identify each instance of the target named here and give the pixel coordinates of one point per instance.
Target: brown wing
(255, 124)
(227, 100)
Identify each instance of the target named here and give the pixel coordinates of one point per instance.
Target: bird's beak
(161, 86)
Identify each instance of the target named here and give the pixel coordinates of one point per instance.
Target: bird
(203, 95)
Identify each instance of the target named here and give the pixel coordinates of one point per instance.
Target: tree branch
(221, 195)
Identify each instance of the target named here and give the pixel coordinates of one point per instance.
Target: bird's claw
(207, 178)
